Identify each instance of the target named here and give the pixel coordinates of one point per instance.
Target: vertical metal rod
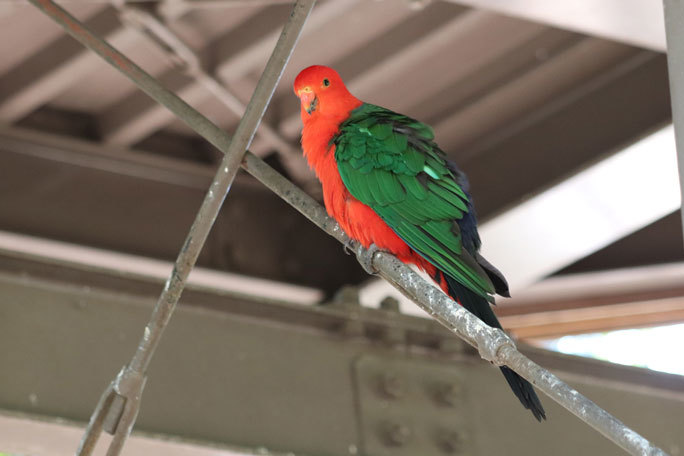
(674, 29)
(492, 344)
(130, 381)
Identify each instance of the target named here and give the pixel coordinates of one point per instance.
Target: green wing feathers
(390, 162)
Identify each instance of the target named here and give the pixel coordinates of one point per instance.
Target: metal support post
(118, 407)
(492, 344)
(674, 29)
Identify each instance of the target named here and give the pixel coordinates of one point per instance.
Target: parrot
(391, 188)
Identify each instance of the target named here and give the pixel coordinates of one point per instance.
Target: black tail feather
(480, 307)
(524, 392)
(498, 280)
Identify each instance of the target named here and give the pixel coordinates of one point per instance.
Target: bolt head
(392, 386)
(450, 442)
(396, 434)
(390, 304)
(347, 296)
(449, 393)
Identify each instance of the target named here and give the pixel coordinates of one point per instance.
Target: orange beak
(308, 99)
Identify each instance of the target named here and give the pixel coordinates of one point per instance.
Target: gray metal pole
(493, 344)
(119, 405)
(674, 29)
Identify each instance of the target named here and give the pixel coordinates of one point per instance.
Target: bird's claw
(366, 256)
(349, 246)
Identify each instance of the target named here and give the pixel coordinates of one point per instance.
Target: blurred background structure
(560, 115)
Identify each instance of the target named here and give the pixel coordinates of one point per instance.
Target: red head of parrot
(322, 93)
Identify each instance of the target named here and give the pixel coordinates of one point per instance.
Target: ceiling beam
(558, 323)
(54, 68)
(615, 286)
(634, 22)
(32, 30)
(538, 149)
(137, 116)
(110, 262)
(374, 83)
(597, 301)
(175, 8)
(162, 36)
(111, 159)
(50, 71)
(580, 64)
(141, 203)
(586, 212)
(586, 302)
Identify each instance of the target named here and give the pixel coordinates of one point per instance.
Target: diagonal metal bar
(118, 408)
(188, 60)
(493, 344)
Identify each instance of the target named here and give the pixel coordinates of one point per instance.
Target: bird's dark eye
(326, 82)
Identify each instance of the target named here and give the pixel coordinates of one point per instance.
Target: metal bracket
(410, 407)
(115, 412)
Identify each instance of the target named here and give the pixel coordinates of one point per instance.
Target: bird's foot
(349, 246)
(366, 256)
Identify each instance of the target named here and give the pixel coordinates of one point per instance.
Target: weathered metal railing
(117, 409)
